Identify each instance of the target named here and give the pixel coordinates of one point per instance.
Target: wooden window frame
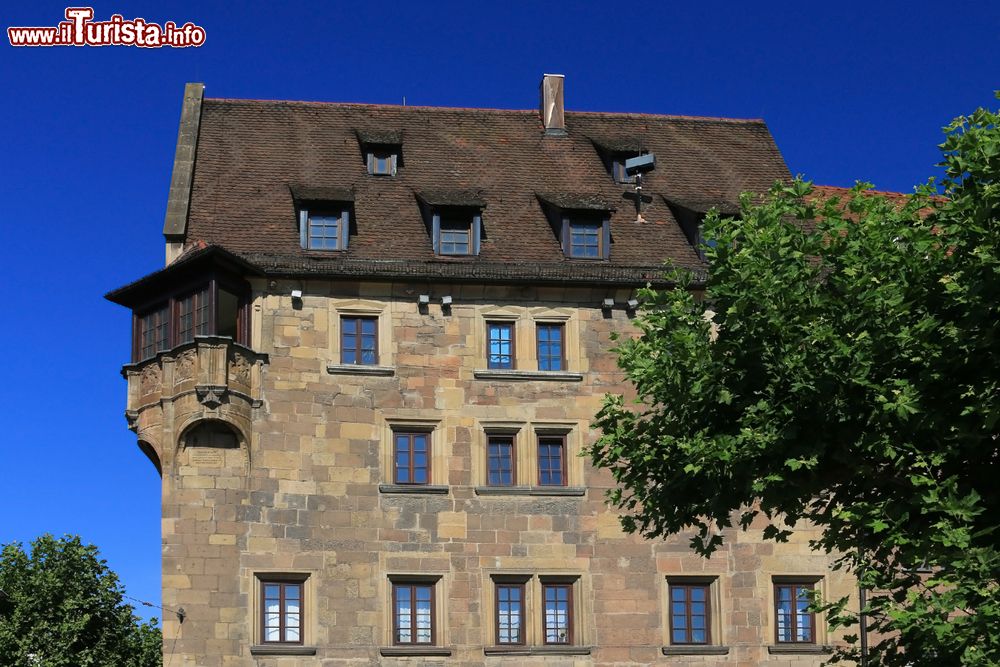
(456, 217)
(265, 581)
(618, 171)
(358, 319)
(410, 434)
(797, 586)
(160, 323)
(568, 587)
(521, 616)
(413, 585)
(687, 587)
(601, 219)
(209, 285)
(339, 210)
(513, 344)
(511, 441)
(455, 223)
(391, 157)
(562, 456)
(561, 327)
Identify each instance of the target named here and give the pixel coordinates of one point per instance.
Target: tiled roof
(253, 155)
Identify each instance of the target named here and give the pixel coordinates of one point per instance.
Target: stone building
(371, 362)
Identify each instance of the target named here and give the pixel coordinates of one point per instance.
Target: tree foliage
(849, 377)
(61, 606)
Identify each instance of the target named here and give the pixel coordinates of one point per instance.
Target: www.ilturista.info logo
(79, 29)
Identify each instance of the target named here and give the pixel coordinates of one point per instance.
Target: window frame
(511, 442)
(522, 612)
(340, 210)
(455, 216)
(358, 336)
(557, 585)
(562, 444)
(160, 325)
(797, 585)
(209, 284)
(265, 580)
(412, 584)
(687, 586)
(512, 342)
(601, 220)
(389, 154)
(561, 328)
(411, 434)
(618, 171)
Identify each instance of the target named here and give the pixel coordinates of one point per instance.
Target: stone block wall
(308, 493)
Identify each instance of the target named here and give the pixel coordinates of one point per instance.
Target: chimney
(553, 114)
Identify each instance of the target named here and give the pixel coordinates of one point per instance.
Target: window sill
(282, 649)
(545, 376)
(530, 491)
(425, 489)
(537, 650)
(800, 649)
(414, 650)
(360, 369)
(695, 649)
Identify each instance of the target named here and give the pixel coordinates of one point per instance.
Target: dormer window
(582, 224)
(324, 226)
(457, 232)
(382, 150)
(382, 161)
(584, 237)
(618, 170)
(324, 216)
(454, 220)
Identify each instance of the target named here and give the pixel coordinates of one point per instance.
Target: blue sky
(849, 91)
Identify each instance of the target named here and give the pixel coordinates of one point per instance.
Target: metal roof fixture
(637, 166)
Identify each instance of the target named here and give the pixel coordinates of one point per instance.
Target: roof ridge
(425, 107)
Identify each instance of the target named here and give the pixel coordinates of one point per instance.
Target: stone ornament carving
(239, 368)
(149, 379)
(185, 365)
(210, 395)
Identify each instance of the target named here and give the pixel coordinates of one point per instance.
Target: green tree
(61, 606)
(840, 366)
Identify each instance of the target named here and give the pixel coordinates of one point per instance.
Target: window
(412, 613)
(456, 236)
(794, 622)
(154, 332)
(359, 340)
(551, 351)
(689, 614)
(586, 235)
(510, 613)
(618, 171)
(215, 304)
(192, 316)
(501, 461)
(411, 458)
(281, 612)
(382, 162)
(324, 226)
(557, 618)
(500, 344)
(456, 230)
(551, 461)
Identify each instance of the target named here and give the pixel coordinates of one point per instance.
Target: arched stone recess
(152, 453)
(212, 448)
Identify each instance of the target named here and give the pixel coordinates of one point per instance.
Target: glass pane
(292, 634)
(698, 636)
(679, 610)
(272, 634)
(679, 637)
(292, 591)
(698, 594)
